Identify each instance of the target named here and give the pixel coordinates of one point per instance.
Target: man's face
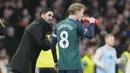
(110, 41)
(79, 14)
(48, 16)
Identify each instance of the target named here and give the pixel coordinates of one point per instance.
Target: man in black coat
(33, 41)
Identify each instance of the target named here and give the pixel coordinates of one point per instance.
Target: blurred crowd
(113, 16)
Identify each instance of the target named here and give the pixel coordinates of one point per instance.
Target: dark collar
(46, 26)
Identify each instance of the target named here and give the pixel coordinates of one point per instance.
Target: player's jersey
(108, 58)
(68, 44)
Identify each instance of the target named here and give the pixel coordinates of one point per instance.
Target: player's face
(48, 16)
(79, 14)
(110, 41)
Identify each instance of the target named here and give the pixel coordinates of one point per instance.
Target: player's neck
(72, 17)
(108, 46)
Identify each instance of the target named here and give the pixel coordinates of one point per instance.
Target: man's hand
(103, 66)
(122, 60)
(90, 20)
(56, 66)
(49, 37)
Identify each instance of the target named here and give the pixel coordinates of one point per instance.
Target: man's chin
(112, 45)
(49, 22)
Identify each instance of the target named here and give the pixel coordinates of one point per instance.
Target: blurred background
(113, 16)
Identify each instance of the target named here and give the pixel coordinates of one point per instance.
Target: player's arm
(125, 58)
(88, 33)
(96, 58)
(122, 64)
(53, 48)
(120, 60)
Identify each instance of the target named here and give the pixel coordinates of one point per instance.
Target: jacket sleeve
(39, 39)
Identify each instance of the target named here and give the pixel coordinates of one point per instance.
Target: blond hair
(75, 7)
(108, 35)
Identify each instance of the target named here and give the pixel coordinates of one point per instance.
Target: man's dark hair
(45, 10)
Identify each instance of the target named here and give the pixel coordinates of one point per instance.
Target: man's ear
(76, 12)
(43, 16)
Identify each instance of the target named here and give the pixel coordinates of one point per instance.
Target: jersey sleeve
(54, 33)
(88, 33)
(53, 46)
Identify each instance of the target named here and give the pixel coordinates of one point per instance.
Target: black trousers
(47, 70)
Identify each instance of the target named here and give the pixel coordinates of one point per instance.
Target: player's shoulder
(100, 49)
(61, 22)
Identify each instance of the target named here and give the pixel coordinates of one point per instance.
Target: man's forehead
(50, 12)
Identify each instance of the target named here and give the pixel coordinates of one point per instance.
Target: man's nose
(51, 17)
